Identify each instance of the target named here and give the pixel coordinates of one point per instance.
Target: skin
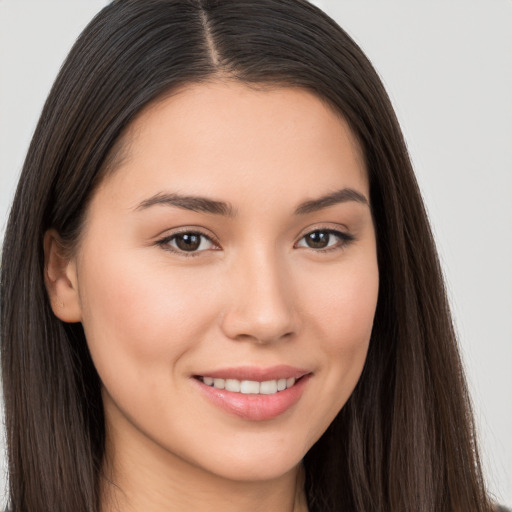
(257, 295)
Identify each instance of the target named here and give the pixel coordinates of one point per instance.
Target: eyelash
(344, 239)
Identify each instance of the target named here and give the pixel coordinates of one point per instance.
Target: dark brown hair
(405, 439)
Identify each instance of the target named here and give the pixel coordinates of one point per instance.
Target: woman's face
(233, 247)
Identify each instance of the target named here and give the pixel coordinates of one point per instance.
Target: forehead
(216, 137)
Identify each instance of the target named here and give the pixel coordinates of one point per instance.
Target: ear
(60, 278)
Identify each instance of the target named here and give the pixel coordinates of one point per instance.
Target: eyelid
(324, 226)
(343, 234)
(163, 241)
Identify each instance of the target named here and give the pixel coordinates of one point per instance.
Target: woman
(219, 287)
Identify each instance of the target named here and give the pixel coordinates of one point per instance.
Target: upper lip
(255, 373)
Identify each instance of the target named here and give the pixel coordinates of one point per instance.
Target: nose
(262, 303)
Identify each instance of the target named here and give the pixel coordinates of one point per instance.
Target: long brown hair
(405, 439)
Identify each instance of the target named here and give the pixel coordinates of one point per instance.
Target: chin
(256, 461)
(257, 471)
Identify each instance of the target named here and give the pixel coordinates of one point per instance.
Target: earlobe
(60, 279)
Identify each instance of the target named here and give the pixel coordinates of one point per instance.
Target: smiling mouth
(254, 394)
(249, 387)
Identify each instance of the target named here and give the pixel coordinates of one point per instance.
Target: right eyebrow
(193, 203)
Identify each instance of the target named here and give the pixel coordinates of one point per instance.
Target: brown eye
(325, 239)
(318, 239)
(189, 242)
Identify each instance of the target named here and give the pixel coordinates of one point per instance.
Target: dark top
(498, 508)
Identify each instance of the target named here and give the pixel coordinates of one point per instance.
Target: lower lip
(255, 407)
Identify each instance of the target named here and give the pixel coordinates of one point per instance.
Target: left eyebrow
(340, 196)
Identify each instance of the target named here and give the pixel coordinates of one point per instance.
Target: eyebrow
(193, 203)
(339, 196)
(212, 206)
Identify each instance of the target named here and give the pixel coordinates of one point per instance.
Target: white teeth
(269, 387)
(232, 385)
(219, 383)
(250, 387)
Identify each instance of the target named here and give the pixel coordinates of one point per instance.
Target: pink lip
(255, 373)
(255, 407)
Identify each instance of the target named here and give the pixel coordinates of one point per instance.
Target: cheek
(137, 315)
(338, 315)
(344, 305)
(341, 315)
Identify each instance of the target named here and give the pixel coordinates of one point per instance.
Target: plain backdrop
(447, 66)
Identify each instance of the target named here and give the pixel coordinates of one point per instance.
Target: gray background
(448, 68)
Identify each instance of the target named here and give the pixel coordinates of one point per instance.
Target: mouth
(254, 394)
(249, 387)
